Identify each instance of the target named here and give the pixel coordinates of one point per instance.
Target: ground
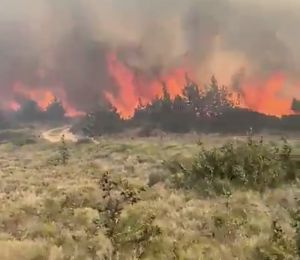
(55, 135)
(48, 210)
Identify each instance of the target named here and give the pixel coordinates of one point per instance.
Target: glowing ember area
(134, 88)
(266, 97)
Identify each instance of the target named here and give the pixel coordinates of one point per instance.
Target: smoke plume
(87, 51)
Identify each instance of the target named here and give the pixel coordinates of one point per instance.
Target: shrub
(155, 178)
(64, 151)
(117, 195)
(296, 225)
(278, 246)
(252, 164)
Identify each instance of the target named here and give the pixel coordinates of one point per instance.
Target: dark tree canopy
(104, 119)
(55, 111)
(29, 111)
(207, 109)
(195, 109)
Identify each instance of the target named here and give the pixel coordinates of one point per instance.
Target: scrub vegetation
(193, 197)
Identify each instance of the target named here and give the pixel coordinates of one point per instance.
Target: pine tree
(29, 111)
(166, 102)
(55, 111)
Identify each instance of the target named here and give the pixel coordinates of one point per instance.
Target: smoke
(62, 45)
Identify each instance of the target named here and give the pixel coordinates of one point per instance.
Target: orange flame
(261, 95)
(131, 88)
(266, 97)
(43, 97)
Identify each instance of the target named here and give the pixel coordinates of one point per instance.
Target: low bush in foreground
(251, 164)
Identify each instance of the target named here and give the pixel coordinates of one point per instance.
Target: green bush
(64, 151)
(252, 164)
(123, 233)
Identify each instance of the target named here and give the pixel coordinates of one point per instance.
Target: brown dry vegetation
(50, 210)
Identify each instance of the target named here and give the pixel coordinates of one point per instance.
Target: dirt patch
(55, 135)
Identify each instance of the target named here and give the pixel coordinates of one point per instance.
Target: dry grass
(48, 211)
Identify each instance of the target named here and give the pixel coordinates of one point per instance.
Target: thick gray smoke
(63, 43)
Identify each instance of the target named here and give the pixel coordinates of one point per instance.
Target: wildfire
(132, 88)
(43, 98)
(266, 97)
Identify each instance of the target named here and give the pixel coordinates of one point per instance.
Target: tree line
(30, 112)
(209, 109)
(212, 109)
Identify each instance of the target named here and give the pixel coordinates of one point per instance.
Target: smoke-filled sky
(64, 45)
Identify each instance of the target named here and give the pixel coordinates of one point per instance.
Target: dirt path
(54, 135)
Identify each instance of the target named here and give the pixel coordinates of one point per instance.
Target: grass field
(50, 210)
